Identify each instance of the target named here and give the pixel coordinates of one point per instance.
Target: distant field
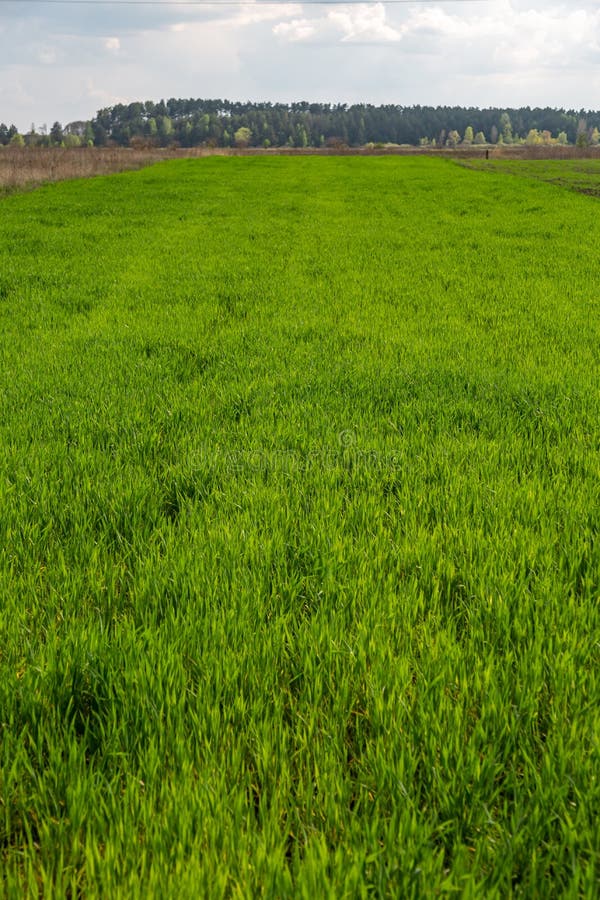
(299, 553)
(24, 168)
(581, 175)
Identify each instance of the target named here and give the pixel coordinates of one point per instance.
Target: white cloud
(296, 30)
(539, 34)
(112, 43)
(254, 13)
(364, 23)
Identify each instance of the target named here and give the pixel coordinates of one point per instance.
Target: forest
(225, 123)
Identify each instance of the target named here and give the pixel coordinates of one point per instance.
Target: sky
(64, 61)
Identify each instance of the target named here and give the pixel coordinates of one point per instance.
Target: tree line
(225, 123)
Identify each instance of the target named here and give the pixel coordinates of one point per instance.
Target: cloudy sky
(64, 61)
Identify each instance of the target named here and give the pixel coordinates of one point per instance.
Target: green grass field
(582, 175)
(299, 553)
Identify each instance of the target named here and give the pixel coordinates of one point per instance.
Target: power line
(217, 3)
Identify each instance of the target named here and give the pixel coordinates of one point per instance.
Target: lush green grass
(299, 503)
(581, 175)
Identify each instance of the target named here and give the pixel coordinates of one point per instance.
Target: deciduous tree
(506, 128)
(242, 137)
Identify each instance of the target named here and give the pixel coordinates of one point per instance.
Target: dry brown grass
(544, 151)
(23, 167)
